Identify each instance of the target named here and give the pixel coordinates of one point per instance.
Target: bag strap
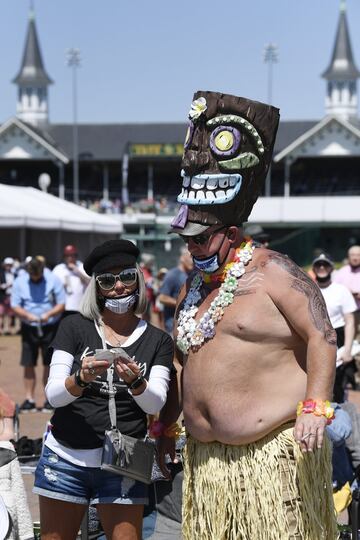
(112, 391)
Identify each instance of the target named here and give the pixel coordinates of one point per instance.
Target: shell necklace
(191, 335)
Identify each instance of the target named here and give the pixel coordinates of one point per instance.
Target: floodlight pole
(73, 61)
(270, 58)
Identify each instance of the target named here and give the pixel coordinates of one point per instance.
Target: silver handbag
(128, 456)
(123, 454)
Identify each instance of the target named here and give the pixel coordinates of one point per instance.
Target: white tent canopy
(35, 209)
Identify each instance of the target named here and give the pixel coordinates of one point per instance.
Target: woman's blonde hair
(91, 305)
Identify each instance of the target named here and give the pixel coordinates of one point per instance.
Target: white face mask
(121, 305)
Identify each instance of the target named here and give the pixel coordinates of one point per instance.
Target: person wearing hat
(257, 234)
(255, 343)
(78, 388)
(341, 307)
(72, 276)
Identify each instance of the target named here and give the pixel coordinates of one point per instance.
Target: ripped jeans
(57, 478)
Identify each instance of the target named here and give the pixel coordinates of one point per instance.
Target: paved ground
(33, 424)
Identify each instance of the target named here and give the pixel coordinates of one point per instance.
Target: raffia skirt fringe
(267, 490)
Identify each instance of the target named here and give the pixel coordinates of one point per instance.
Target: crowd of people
(35, 299)
(251, 354)
(40, 298)
(159, 205)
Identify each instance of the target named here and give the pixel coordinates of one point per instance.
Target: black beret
(110, 254)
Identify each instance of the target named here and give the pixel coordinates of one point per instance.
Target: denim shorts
(57, 478)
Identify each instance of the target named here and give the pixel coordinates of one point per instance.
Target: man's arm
(56, 310)
(349, 332)
(16, 302)
(168, 301)
(58, 300)
(166, 293)
(300, 301)
(168, 415)
(80, 273)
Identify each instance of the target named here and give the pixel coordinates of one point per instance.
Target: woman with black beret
(68, 477)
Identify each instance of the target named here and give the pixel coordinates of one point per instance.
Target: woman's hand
(92, 368)
(128, 371)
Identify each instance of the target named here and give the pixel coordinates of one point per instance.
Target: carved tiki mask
(227, 154)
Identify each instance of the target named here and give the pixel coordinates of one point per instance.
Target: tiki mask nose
(193, 162)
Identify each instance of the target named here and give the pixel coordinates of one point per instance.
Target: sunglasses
(201, 239)
(127, 277)
(322, 265)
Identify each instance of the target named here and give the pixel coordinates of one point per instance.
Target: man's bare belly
(245, 382)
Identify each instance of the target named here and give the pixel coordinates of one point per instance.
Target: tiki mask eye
(189, 135)
(225, 141)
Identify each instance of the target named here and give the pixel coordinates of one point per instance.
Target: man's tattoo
(304, 285)
(248, 282)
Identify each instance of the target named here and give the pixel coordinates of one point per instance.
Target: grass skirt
(267, 490)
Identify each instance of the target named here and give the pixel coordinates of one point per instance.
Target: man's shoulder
(337, 287)
(59, 267)
(51, 278)
(21, 279)
(175, 271)
(344, 271)
(267, 259)
(175, 275)
(275, 267)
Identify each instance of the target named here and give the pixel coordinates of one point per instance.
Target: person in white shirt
(71, 274)
(341, 307)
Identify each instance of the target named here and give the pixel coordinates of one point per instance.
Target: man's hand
(164, 446)
(32, 318)
(44, 318)
(309, 431)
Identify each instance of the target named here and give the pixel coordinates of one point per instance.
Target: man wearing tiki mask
(255, 345)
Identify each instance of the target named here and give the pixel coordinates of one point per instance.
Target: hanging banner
(156, 150)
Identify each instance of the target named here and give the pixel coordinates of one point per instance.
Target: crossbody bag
(123, 454)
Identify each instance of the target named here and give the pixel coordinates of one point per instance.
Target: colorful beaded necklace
(191, 335)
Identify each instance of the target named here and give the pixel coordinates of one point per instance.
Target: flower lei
(192, 334)
(317, 407)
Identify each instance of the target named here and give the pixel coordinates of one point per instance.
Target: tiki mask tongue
(181, 218)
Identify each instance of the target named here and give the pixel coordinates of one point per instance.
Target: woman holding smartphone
(68, 477)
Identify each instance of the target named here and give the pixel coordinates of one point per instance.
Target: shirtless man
(252, 467)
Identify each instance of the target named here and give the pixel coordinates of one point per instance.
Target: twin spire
(341, 75)
(32, 80)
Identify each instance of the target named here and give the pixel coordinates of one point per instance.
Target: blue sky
(142, 61)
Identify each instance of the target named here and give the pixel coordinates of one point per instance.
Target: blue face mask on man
(211, 264)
